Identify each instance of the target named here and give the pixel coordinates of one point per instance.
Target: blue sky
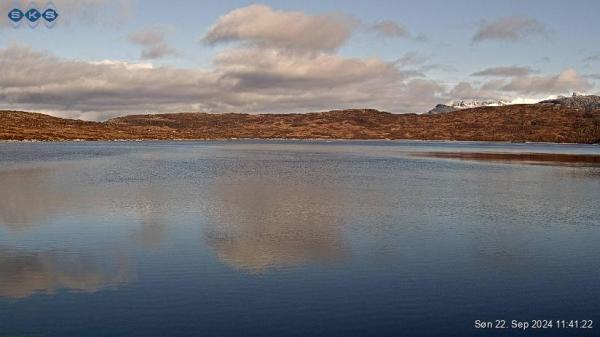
(549, 38)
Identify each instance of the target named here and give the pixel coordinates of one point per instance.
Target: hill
(580, 102)
(515, 123)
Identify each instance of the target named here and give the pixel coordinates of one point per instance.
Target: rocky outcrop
(580, 102)
(440, 109)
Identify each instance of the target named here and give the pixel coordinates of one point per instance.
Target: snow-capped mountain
(466, 104)
(576, 101)
(475, 103)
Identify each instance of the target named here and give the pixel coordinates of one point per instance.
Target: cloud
(246, 79)
(260, 25)
(512, 71)
(389, 28)
(126, 65)
(512, 28)
(152, 41)
(567, 81)
(465, 90)
(318, 81)
(542, 86)
(242, 80)
(278, 65)
(274, 68)
(38, 80)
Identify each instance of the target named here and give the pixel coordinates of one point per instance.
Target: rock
(580, 102)
(441, 108)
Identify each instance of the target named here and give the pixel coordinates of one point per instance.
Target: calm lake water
(284, 238)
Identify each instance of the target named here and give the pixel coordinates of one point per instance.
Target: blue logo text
(32, 14)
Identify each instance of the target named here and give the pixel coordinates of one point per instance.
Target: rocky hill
(18, 125)
(581, 102)
(516, 123)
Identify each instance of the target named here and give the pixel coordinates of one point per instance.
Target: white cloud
(242, 80)
(465, 90)
(126, 65)
(526, 88)
(278, 65)
(567, 81)
(274, 68)
(263, 26)
(512, 71)
(35, 80)
(153, 43)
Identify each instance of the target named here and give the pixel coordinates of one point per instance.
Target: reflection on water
(539, 158)
(316, 238)
(35, 196)
(28, 196)
(24, 273)
(270, 222)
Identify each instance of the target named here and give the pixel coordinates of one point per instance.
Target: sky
(106, 58)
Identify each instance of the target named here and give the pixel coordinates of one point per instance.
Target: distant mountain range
(563, 120)
(465, 104)
(577, 101)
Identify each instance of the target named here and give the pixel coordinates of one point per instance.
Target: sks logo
(33, 15)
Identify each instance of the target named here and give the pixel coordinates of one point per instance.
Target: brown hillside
(517, 123)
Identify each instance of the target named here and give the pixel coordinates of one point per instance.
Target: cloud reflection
(28, 196)
(263, 223)
(24, 273)
(37, 195)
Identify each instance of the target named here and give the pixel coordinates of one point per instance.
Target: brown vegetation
(515, 123)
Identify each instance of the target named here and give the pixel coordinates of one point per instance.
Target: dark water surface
(251, 238)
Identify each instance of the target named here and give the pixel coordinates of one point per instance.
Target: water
(252, 238)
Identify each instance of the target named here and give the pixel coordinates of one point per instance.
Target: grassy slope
(537, 123)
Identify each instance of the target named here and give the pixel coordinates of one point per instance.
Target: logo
(33, 15)
(15, 15)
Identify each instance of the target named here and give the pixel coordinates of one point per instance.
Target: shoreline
(307, 140)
